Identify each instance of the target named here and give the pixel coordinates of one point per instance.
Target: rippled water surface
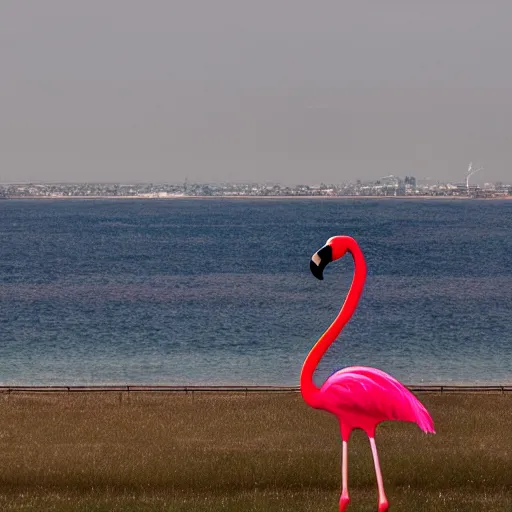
(217, 291)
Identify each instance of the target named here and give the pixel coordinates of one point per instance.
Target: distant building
(410, 185)
(410, 181)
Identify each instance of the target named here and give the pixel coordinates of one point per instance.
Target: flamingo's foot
(344, 501)
(383, 506)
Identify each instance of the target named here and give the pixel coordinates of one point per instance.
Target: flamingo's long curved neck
(307, 387)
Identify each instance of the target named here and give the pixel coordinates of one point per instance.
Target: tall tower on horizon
(469, 173)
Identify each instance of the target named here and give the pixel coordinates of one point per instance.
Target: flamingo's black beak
(319, 261)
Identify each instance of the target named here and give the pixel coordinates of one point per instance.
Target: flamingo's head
(334, 248)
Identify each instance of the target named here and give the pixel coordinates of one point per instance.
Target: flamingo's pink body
(359, 397)
(363, 397)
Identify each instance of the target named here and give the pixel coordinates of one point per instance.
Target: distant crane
(470, 172)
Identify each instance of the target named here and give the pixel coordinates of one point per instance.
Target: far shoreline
(237, 197)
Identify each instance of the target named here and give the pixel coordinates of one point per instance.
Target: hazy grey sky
(264, 90)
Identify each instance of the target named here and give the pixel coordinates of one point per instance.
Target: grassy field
(231, 452)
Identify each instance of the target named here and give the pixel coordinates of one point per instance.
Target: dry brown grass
(229, 452)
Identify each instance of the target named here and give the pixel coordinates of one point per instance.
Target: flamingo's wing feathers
(372, 396)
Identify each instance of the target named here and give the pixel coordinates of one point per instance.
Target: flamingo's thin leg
(383, 501)
(344, 499)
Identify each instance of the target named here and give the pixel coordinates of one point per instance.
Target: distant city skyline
(390, 186)
(284, 91)
(476, 180)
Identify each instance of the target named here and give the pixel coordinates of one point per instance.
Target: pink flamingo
(360, 397)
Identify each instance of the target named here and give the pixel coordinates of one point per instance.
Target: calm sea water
(219, 291)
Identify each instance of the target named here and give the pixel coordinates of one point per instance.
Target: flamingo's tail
(423, 418)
